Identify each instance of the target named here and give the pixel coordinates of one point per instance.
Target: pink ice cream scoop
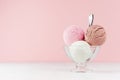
(72, 34)
(95, 35)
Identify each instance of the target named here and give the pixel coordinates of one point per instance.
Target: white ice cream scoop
(80, 51)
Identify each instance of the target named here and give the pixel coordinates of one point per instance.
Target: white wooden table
(57, 71)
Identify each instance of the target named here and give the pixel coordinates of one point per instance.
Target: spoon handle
(91, 18)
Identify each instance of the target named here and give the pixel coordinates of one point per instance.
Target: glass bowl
(82, 67)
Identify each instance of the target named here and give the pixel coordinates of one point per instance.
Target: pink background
(31, 30)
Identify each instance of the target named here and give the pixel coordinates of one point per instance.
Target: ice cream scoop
(72, 34)
(95, 35)
(80, 51)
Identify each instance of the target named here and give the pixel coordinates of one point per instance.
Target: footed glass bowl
(82, 67)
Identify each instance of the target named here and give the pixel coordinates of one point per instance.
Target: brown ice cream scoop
(95, 35)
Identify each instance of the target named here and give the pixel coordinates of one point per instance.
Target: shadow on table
(90, 71)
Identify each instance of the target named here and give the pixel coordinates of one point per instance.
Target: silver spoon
(91, 18)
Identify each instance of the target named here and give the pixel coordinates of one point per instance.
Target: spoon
(91, 18)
